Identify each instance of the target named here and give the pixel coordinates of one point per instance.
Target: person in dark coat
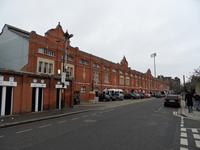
(189, 101)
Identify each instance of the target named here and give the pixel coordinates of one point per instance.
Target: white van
(115, 94)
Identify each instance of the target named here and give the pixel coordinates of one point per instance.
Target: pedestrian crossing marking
(196, 136)
(194, 130)
(183, 129)
(183, 134)
(197, 144)
(184, 141)
(183, 148)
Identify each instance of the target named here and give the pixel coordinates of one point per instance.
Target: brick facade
(86, 72)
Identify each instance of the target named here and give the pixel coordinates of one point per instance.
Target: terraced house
(32, 66)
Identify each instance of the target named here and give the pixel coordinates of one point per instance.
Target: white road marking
(183, 129)
(75, 118)
(183, 148)
(22, 131)
(184, 142)
(183, 134)
(182, 125)
(1, 136)
(182, 118)
(196, 136)
(159, 108)
(62, 121)
(197, 143)
(194, 130)
(175, 113)
(44, 126)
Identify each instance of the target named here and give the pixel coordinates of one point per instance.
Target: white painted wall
(13, 50)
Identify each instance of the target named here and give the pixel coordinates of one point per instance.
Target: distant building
(174, 84)
(44, 57)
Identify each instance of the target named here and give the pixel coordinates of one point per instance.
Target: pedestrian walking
(189, 101)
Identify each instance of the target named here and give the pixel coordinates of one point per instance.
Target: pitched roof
(18, 31)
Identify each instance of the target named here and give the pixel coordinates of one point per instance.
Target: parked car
(136, 95)
(115, 94)
(162, 94)
(141, 95)
(147, 95)
(119, 96)
(104, 97)
(128, 96)
(172, 100)
(158, 95)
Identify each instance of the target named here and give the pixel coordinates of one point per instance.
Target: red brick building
(37, 61)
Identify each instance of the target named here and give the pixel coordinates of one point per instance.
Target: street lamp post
(67, 37)
(154, 56)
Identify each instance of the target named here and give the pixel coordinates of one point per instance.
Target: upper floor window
(45, 66)
(106, 77)
(50, 68)
(46, 52)
(96, 76)
(127, 81)
(96, 66)
(121, 80)
(114, 70)
(69, 58)
(84, 62)
(83, 89)
(70, 71)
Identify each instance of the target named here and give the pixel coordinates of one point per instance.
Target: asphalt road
(139, 126)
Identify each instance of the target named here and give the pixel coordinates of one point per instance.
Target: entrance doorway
(8, 106)
(6, 100)
(37, 99)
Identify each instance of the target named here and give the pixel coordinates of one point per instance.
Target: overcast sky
(115, 28)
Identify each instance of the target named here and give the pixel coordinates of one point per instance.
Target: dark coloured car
(135, 95)
(172, 101)
(128, 96)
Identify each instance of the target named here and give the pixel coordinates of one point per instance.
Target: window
(84, 62)
(96, 76)
(46, 52)
(50, 68)
(40, 66)
(45, 66)
(106, 77)
(127, 81)
(96, 66)
(41, 50)
(121, 80)
(69, 58)
(83, 89)
(114, 71)
(70, 71)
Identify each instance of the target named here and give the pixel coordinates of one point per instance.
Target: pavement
(17, 119)
(24, 118)
(195, 115)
